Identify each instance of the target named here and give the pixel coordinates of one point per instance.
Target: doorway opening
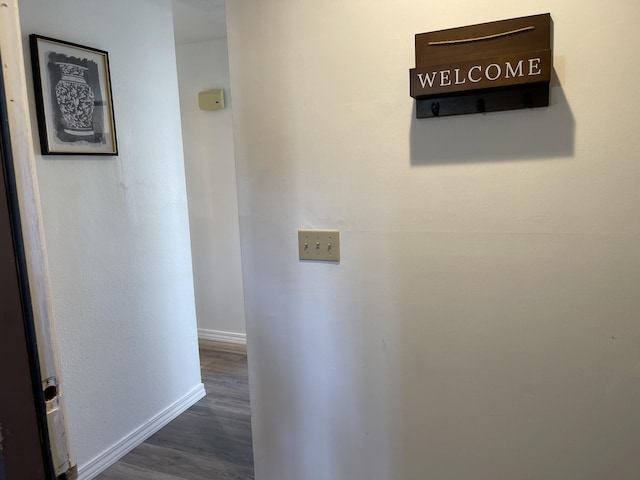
(25, 450)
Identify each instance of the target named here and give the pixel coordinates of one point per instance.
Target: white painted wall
(117, 232)
(483, 322)
(211, 189)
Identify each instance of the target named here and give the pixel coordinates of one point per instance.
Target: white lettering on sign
(445, 81)
(477, 73)
(423, 81)
(479, 68)
(498, 72)
(458, 82)
(517, 72)
(534, 66)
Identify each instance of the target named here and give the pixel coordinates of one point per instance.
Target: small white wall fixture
(211, 100)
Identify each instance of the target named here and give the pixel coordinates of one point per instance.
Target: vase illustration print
(76, 100)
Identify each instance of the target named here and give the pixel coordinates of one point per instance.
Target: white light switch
(323, 245)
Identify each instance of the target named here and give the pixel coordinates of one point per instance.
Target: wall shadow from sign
(526, 134)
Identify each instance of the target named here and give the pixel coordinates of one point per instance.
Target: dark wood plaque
(502, 65)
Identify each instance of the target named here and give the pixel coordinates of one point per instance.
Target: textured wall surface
(483, 322)
(117, 231)
(211, 188)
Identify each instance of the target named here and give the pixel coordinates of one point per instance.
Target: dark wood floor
(211, 440)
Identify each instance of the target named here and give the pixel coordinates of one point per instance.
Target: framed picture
(72, 87)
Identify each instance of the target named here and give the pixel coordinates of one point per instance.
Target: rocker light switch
(323, 245)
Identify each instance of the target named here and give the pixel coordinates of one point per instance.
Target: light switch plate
(322, 245)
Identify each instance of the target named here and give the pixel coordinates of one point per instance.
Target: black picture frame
(74, 104)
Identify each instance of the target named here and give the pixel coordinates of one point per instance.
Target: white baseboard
(218, 336)
(110, 456)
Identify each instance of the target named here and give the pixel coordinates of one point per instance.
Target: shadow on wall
(535, 134)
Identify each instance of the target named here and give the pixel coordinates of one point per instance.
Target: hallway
(210, 440)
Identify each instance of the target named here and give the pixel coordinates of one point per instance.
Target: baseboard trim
(218, 336)
(110, 456)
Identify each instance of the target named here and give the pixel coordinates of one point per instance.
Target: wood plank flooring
(211, 440)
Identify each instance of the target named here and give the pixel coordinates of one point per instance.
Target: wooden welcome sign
(488, 67)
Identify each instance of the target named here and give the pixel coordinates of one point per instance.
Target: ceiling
(199, 20)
